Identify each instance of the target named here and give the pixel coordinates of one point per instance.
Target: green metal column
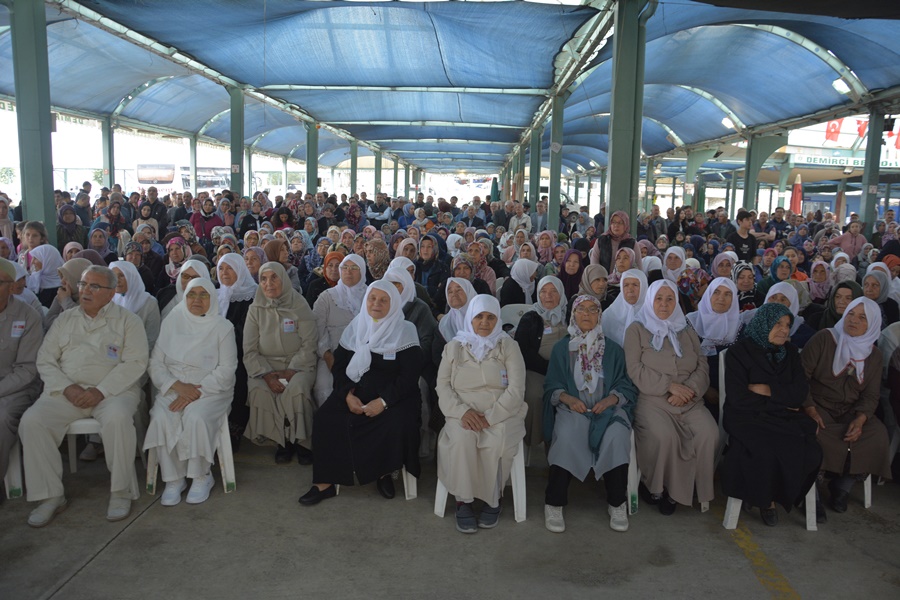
(603, 179)
(284, 173)
(694, 160)
(107, 133)
(28, 21)
(312, 159)
(734, 188)
(577, 181)
(556, 142)
(354, 164)
(377, 172)
(406, 184)
(520, 175)
(869, 201)
(887, 196)
(396, 176)
(534, 167)
(783, 176)
(759, 148)
(588, 194)
(248, 181)
(237, 141)
(192, 149)
(649, 184)
(626, 107)
(674, 183)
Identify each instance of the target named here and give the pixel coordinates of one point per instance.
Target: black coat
(240, 412)
(604, 250)
(512, 293)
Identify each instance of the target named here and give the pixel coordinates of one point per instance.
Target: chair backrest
(511, 313)
(499, 284)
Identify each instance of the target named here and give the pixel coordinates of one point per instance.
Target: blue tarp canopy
(471, 75)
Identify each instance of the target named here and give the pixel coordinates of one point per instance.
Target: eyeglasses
(587, 311)
(94, 287)
(350, 268)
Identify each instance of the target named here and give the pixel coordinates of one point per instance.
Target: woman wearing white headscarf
(876, 284)
(280, 340)
(130, 294)
(519, 287)
(717, 322)
(844, 370)
(537, 332)
(459, 293)
(673, 263)
(22, 293)
(334, 309)
(368, 426)
(588, 410)
(785, 293)
(454, 244)
(481, 391)
(191, 269)
(621, 313)
(236, 292)
(192, 368)
(676, 436)
(43, 277)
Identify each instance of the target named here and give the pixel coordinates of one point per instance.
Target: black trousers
(557, 493)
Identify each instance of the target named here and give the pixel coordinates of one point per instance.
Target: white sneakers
(119, 508)
(46, 510)
(171, 496)
(618, 517)
(553, 518)
(200, 489)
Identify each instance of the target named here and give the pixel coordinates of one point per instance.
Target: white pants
(43, 427)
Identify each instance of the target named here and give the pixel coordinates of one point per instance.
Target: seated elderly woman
(173, 295)
(588, 410)
(839, 298)
(368, 427)
(192, 368)
(130, 294)
(676, 437)
(481, 390)
(844, 371)
(519, 287)
(785, 293)
(460, 293)
(334, 310)
(43, 273)
(595, 282)
(280, 340)
(773, 456)
(538, 331)
(622, 312)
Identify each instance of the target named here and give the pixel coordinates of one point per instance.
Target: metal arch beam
(441, 141)
(294, 149)
(857, 89)
(388, 88)
(449, 153)
(669, 130)
(212, 120)
(130, 96)
(738, 123)
(259, 139)
(428, 124)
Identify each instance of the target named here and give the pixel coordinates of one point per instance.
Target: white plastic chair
(226, 462)
(13, 478)
(634, 478)
(517, 478)
(497, 285)
(511, 313)
(733, 511)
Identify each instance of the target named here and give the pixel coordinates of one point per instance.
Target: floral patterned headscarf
(589, 346)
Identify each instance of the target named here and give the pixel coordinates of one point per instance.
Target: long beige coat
(676, 447)
(476, 464)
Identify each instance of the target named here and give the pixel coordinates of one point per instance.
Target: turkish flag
(897, 142)
(861, 126)
(833, 130)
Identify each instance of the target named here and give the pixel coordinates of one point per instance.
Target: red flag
(897, 142)
(861, 126)
(833, 130)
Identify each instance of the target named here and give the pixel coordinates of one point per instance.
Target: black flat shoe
(838, 498)
(646, 496)
(769, 516)
(821, 517)
(385, 486)
(667, 506)
(284, 454)
(304, 455)
(315, 495)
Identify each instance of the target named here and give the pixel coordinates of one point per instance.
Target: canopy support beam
(236, 96)
(406, 180)
(192, 149)
(694, 160)
(649, 184)
(783, 176)
(759, 149)
(108, 134)
(534, 167)
(378, 159)
(869, 202)
(312, 159)
(556, 142)
(354, 165)
(405, 88)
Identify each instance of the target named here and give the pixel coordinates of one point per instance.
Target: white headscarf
(716, 329)
(557, 315)
(455, 319)
(401, 262)
(589, 345)
(453, 242)
(672, 274)
(620, 315)
(398, 274)
(390, 335)
(836, 256)
(788, 290)
(651, 263)
(658, 328)
(197, 266)
(853, 351)
(190, 339)
(242, 289)
(480, 345)
(48, 277)
(350, 298)
(521, 272)
(136, 296)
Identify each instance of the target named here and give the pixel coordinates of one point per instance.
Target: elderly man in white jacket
(90, 362)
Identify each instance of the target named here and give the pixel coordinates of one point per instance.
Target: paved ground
(259, 542)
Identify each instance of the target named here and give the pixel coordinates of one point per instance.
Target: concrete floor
(259, 542)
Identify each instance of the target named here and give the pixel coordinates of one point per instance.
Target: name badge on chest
(504, 378)
(18, 329)
(288, 325)
(112, 352)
